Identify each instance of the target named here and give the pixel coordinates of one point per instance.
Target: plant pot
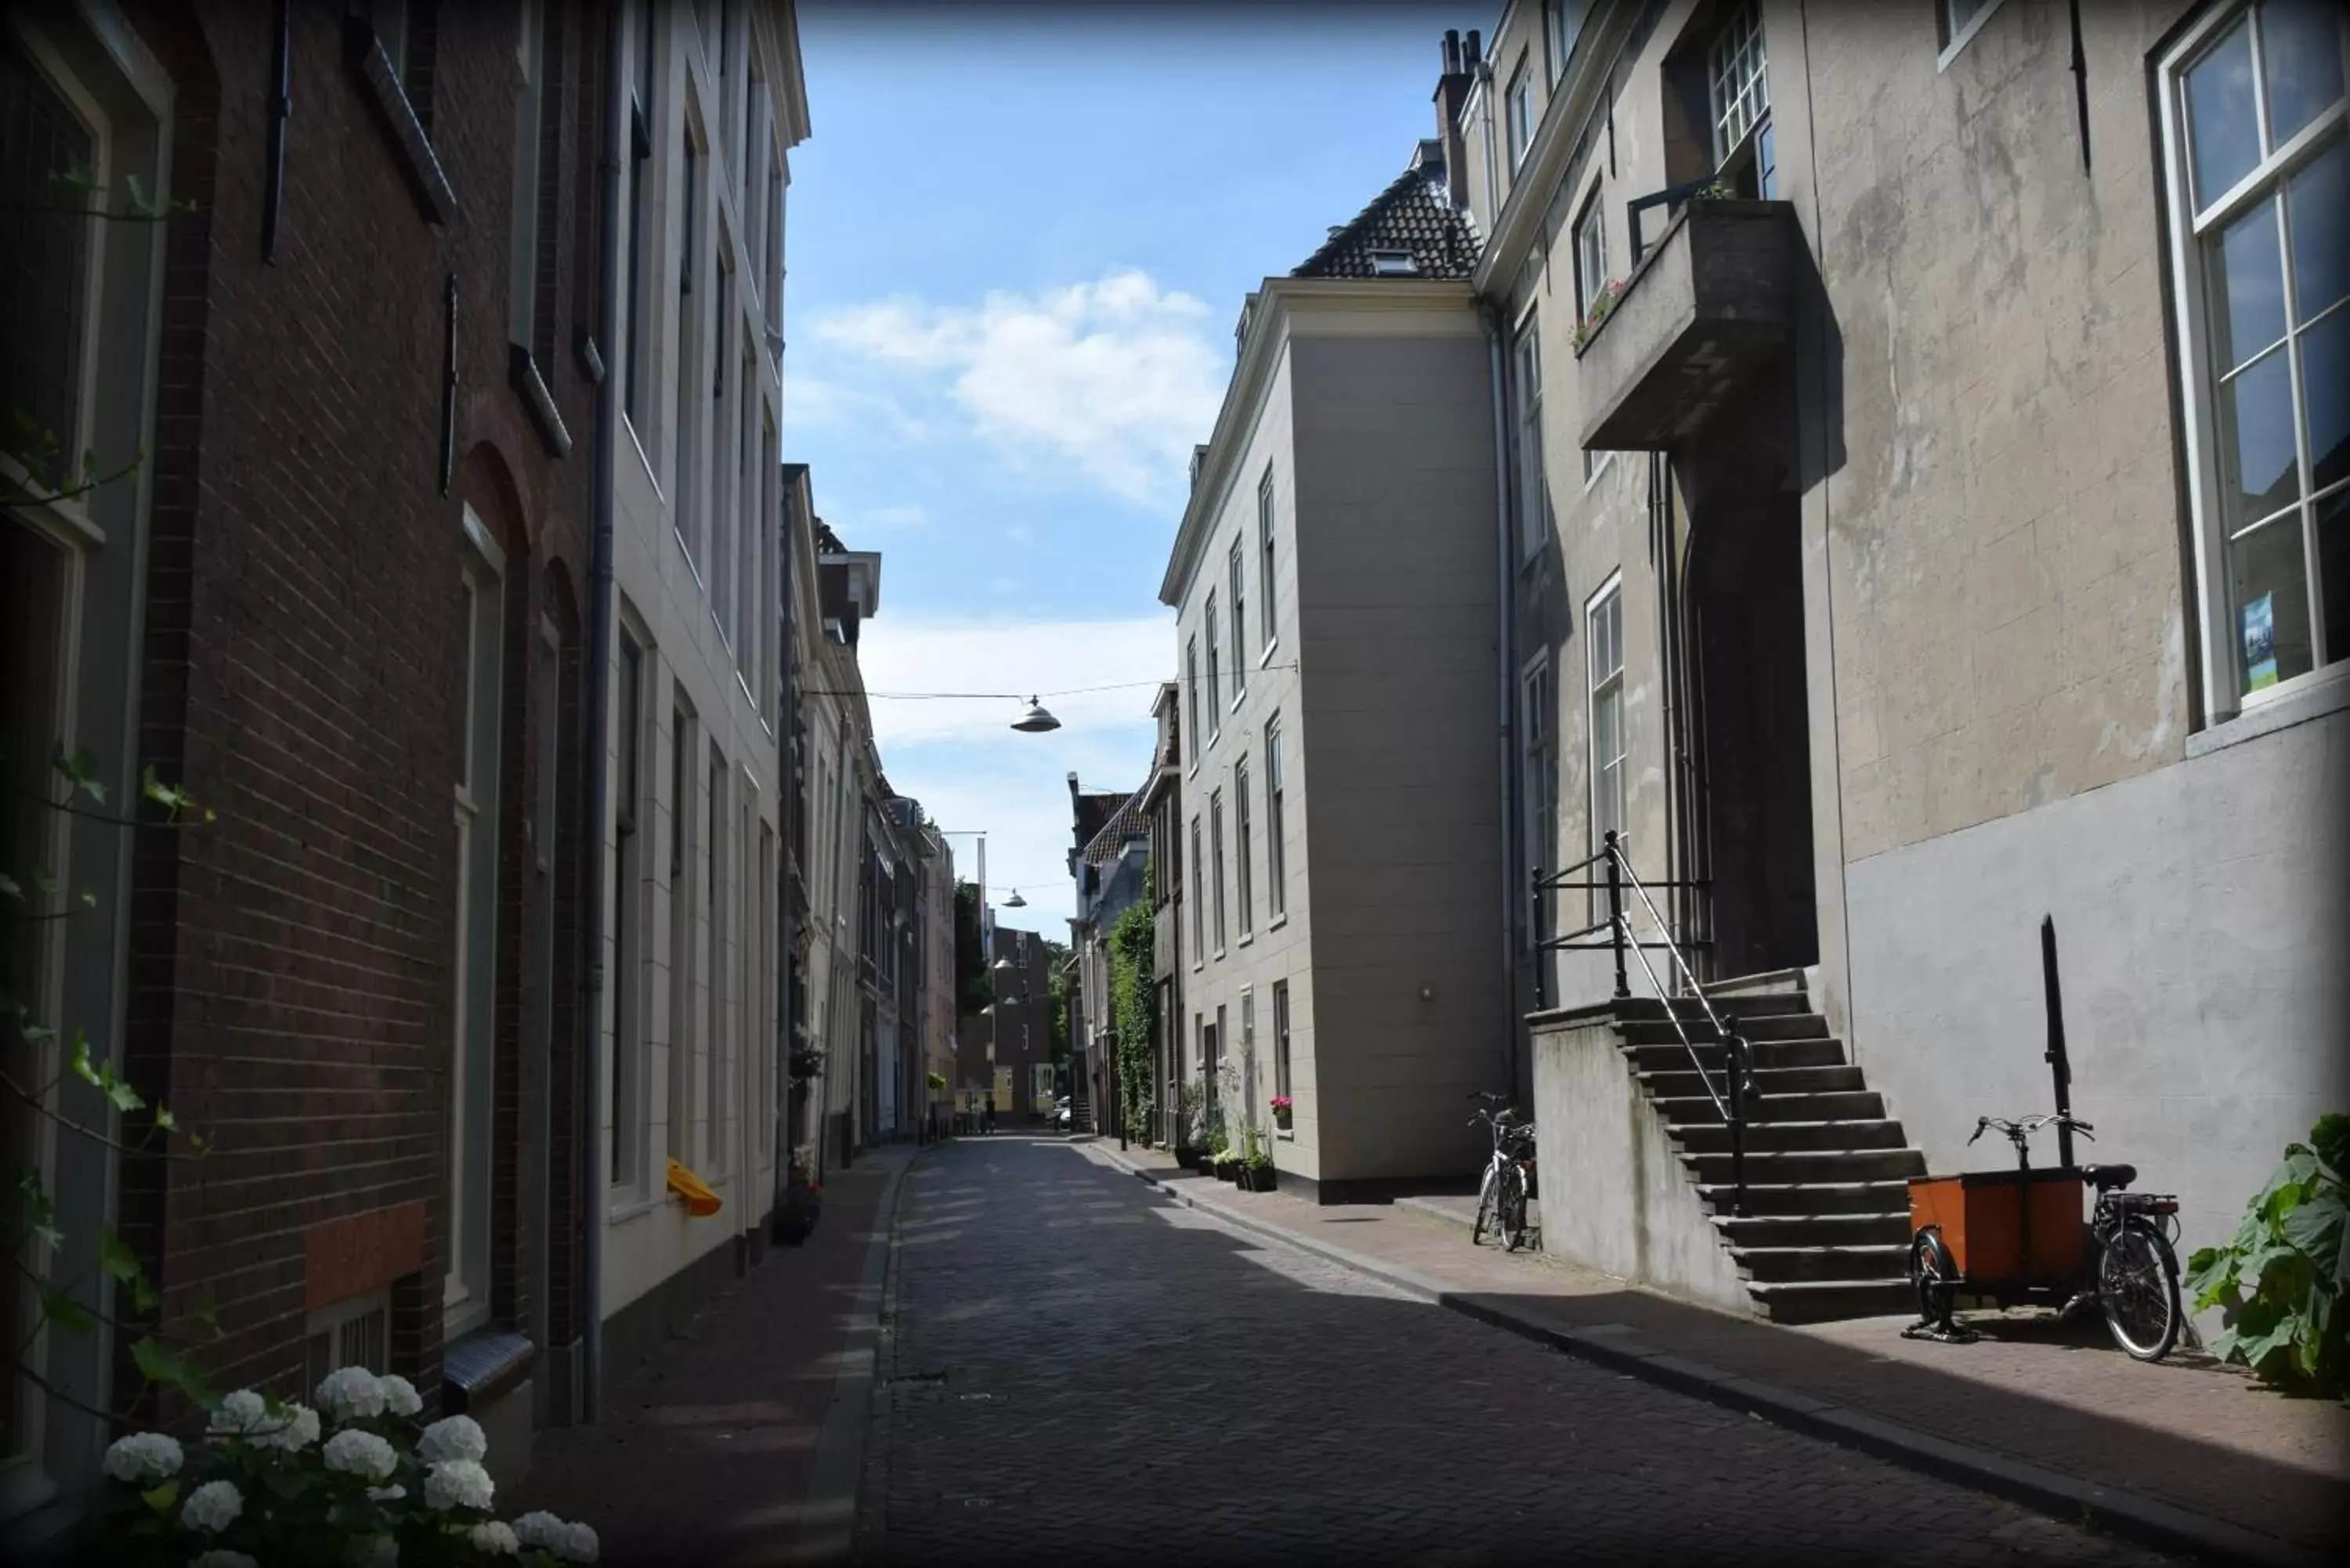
(1261, 1180)
(1228, 1171)
(1281, 1119)
(1204, 1163)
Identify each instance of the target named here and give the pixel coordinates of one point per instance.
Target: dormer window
(1394, 264)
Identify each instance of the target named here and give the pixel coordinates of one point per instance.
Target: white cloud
(1116, 379)
(811, 402)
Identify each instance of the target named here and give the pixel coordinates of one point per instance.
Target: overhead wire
(1002, 696)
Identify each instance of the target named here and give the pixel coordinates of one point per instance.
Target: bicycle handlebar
(2018, 1131)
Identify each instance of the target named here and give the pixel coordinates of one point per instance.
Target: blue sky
(1018, 242)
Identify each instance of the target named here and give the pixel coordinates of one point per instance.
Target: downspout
(1661, 552)
(1504, 652)
(597, 743)
(787, 730)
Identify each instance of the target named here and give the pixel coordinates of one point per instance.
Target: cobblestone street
(1080, 1369)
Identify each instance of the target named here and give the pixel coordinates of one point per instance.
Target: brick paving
(1080, 1369)
(2187, 1431)
(710, 1451)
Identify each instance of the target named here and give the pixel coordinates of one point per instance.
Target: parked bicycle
(1509, 1173)
(2016, 1237)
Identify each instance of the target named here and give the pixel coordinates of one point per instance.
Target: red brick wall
(291, 964)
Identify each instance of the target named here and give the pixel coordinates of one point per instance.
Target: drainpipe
(597, 743)
(1505, 705)
(1663, 552)
(788, 769)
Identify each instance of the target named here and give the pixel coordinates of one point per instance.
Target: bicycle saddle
(2102, 1177)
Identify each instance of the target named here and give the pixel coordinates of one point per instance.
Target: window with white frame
(717, 888)
(1215, 686)
(627, 918)
(2259, 167)
(1538, 782)
(1534, 510)
(1240, 619)
(1281, 1079)
(530, 305)
(1264, 555)
(465, 1294)
(679, 1114)
(1603, 648)
(1198, 903)
(1276, 864)
(1745, 149)
(1519, 106)
(1242, 890)
(1216, 869)
(355, 1331)
(636, 346)
(687, 481)
(1956, 21)
(726, 447)
(1191, 695)
(1564, 24)
(1590, 278)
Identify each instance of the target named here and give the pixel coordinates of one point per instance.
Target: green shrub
(2282, 1277)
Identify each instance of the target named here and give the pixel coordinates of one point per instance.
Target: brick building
(338, 585)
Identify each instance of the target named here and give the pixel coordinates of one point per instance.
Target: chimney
(1451, 91)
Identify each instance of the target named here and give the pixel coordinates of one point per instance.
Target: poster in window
(2259, 644)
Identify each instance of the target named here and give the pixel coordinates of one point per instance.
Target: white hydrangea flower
(400, 1395)
(539, 1529)
(238, 1412)
(293, 1431)
(221, 1557)
(458, 1483)
(579, 1544)
(213, 1507)
(372, 1552)
(351, 1394)
(362, 1454)
(453, 1437)
(496, 1537)
(386, 1493)
(143, 1458)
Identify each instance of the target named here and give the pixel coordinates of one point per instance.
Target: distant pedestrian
(987, 1117)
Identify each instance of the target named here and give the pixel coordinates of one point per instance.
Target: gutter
(1504, 655)
(596, 742)
(787, 813)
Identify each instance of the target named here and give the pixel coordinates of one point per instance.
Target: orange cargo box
(1981, 1217)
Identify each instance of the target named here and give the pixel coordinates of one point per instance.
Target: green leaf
(82, 1068)
(165, 1120)
(45, 882)
(2318, 1228)
(115, 1256)
(121, 1096)
(159, 1364)
(66, 1313)
(81, 770)
(173, 797)
(11, 887)
(161, 1498)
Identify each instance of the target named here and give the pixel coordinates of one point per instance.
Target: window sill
(632, 1208)
(1607, 462)
(372, 65)
(1283, 1136)
(1265, 660)
(1278, 921)
(637, 442)
(522, 374)
(1246, 940)
(1952, 50)
(2327, 691)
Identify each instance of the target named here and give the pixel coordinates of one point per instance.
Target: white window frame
(1264, 527)
(1955, 40)
(1518, 112)
(2222, 672)
(1276, 857)
(690, 470)
(1215, 686)
(345, 1327)
(1198, 903)
(1538, 781)
(1604, 686)
(1589, 259)
(1244, 893)
(1526, 395)
(626, 1071)
(1238, 567)
(1736, 115)
(465, 1288)
(1562, 25)
(718, 970)
(685, 843)
(1216, 848)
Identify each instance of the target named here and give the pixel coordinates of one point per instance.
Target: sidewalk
(2184, 1454)
(740, 1441)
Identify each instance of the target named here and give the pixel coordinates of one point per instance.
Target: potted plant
(1257, 1171)
(1191, 1129)
(1227, 1163)
(1281, 1109)
(802, 1201)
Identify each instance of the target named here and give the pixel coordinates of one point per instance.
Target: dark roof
(828, 543)
(1124, 826)
(1413, 217)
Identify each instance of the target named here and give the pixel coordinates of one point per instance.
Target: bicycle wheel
(1487, 1216)
(1934, 1276)
(1512, 1203)
(2138, 1286)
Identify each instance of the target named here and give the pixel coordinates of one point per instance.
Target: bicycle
(1975, 1234)
(1501, 1195)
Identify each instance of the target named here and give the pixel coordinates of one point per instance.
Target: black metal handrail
(1670, 195)
(1738, 1063)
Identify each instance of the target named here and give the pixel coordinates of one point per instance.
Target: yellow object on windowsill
(699, 1202)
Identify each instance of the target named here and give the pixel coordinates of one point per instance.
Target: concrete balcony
(1708, 311)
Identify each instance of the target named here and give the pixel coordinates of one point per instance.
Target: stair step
(1770, 1003)
(1659, 1031)
(1810, 1163)
(1792, 1138)
(1822, 1053)
(1780, 1198)
(1826, 1301)
(1873, 1261)
(1681, 1081)
(1891, 1229)
(1843, 1105)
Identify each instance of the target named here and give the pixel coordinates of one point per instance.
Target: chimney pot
(1472, 56)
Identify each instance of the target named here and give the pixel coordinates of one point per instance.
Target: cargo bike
(2017, 1238)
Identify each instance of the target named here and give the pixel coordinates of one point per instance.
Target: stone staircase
(1826, 1229)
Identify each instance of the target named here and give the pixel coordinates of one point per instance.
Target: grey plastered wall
(1398, 619)
(2201, 919)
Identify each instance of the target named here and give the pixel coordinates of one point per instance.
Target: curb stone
(2147, 1521)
